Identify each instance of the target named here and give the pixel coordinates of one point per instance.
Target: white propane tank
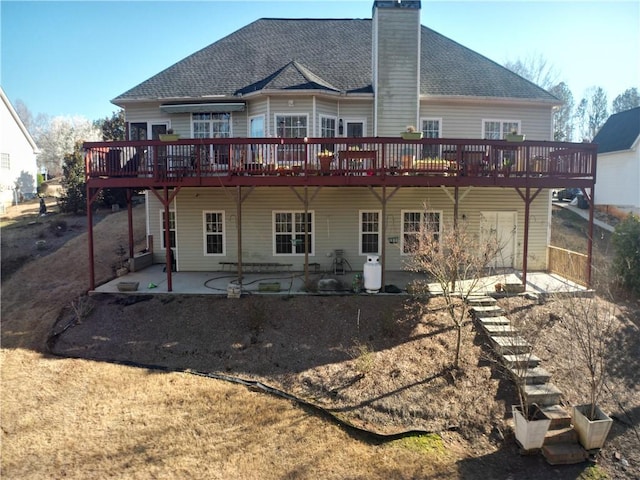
(372, 274)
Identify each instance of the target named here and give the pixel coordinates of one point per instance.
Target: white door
(502, 225)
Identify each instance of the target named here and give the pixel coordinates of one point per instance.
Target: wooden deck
(354, 162)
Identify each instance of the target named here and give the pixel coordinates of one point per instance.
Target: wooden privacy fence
(573, 266)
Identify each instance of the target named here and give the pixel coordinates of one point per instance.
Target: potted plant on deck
(507, 163)
(411, 133)
(169, 136)
(325, 157)
(514, 136)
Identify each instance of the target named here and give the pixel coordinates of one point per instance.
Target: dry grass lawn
(79, 418)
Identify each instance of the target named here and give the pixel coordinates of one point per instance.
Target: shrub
(626, 261)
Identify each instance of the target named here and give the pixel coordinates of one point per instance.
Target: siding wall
(619, 179)
(336, 222)
(464, 120)
(459, 119)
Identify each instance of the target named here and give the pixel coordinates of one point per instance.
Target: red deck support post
(130, 221)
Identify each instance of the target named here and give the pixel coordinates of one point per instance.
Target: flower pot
(514, 137)
(513, 288)
(169, 137)
(530, 433)
(591, 433)
(411, 135)
(128, 286)
(325, 162)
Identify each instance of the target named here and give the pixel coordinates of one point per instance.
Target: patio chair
(339, 262)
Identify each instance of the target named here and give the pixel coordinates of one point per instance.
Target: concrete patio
(153, 280)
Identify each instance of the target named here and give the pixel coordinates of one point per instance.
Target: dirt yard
(380, 363)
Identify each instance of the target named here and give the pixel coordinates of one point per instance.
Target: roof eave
(289, 93)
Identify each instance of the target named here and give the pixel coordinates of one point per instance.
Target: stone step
(531, 375)
(481, 301)
(560, 417)
(561, 435)
(500, 320)
(543, 394)
(499, 330)
(520, 360)
(488, 311)
(564, 454)
(513, 345)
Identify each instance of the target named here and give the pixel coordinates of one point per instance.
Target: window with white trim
(211, 125)
(431, 129)
(370, 232)
(498, 129)
(328, 130)
(5, 161)
(291, 233)
(213, 227)
(412, 224)
(291, 126)
(172, 229)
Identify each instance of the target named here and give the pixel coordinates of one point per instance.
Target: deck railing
(571, 265)
(338, 156)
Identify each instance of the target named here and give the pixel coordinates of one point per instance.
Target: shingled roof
(619, 132)
(328, 55)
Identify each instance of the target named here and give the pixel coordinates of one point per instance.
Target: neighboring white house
(618, 142)
(18, 151)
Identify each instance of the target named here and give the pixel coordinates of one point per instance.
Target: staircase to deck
(561, 445)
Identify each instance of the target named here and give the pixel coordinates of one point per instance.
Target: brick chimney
(396, 65)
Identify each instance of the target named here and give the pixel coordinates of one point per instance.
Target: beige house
(244, 183)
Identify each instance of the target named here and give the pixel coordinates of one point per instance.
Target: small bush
(626, 261)
(58, 227)
(364, 358)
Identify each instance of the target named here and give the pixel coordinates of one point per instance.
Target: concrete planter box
(128, 286)
(530, 433)
(591, 433)
(513, 288)
(140, 261)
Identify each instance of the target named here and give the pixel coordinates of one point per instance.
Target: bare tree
(591, 324)
(563, 116)
(536, 69)
(456, 261)
(61, 138)
(592, 112)
(627, 100)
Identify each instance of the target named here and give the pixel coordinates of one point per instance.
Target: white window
(291, 233)
(172, 229)
(211, 125)
(5, 161)
(497, 129)
(370, 232)
(214, 240)
(291, 126)
(413, 222)
(431, 128)
(328, 130)
(327, 126)
(256, 126)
